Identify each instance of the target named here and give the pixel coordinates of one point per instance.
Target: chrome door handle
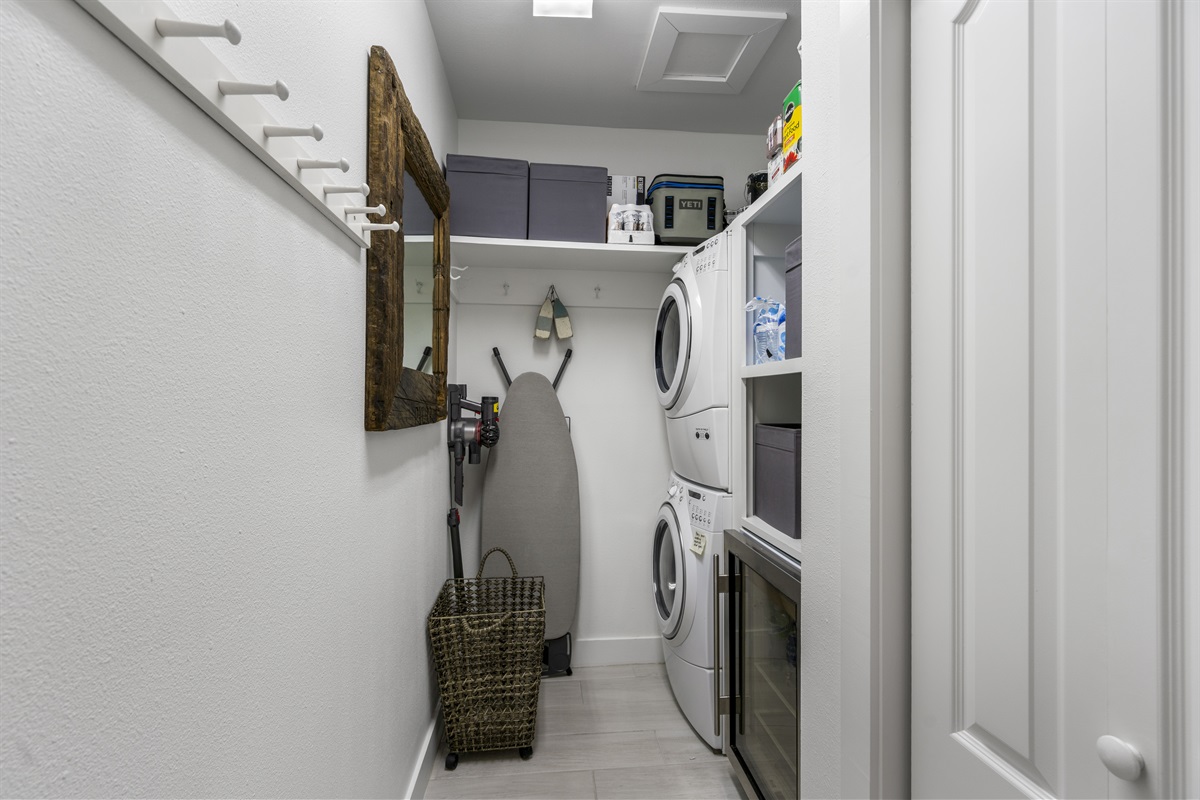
(720, 586)
(1121, 758)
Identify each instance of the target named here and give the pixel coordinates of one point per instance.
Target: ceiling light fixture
(563, 8)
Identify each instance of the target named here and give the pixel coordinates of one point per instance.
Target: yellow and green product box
(792, 118)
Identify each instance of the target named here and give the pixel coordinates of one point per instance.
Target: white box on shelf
(626, 190)
(631, 237)
(775, 169)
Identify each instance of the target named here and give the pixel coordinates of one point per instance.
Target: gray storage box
(777, 476)
(488, 196)
(418, 219)
(567, 203)
(792, 262)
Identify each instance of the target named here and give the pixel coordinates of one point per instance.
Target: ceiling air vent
(708, 51)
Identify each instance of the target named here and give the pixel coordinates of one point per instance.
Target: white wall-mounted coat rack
(175, 48)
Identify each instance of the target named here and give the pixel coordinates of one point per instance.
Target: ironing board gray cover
(531, 497)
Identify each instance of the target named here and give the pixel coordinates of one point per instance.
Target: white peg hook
(288, 130)
(596, 289)
(379, 209)
(454, 277)
(178, 27)
(375, 226)
(420, 286)
(278, 88)
(361, 188)
(505, 287)
(316, 163)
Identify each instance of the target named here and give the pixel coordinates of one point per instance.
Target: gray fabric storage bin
(792, 262)
(418, 219)
(777, 476)
(488, 196)
(567, 203)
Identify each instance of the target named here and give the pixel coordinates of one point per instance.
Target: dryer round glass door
(672, 343)
(668, 571)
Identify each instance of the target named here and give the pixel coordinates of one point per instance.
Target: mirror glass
(418, 279)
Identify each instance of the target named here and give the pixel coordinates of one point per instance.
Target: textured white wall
(213, 582)
(821, 687)
(619, 436)
(625, 151)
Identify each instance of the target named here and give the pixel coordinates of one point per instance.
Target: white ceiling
(505, 64)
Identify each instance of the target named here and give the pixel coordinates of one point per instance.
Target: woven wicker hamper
(487, 636)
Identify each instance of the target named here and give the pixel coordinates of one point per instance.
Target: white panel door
(1037, 429)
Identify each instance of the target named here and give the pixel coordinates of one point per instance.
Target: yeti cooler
(687, 208)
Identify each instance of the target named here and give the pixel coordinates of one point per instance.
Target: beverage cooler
(761, 683)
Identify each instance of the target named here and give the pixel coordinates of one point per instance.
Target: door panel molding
(972, 600)
(1173, 682)
(1011, 765)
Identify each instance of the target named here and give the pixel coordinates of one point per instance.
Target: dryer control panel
(709, 257)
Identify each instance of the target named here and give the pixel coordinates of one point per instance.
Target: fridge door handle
(720, 587)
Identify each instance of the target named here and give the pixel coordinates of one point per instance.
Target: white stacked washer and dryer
(691, 364)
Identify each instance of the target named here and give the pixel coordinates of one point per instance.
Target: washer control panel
(700, 504)
(707, 256)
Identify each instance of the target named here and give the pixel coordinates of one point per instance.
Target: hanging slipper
(562, 323)
(545, 317)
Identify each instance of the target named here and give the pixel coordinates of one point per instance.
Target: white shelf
(773, 536)
(791, 366)
(481, 253)
(779, 205)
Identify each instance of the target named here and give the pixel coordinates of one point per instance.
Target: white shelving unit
(793, 366)
(482, 253)
(770, 393)
(779, 205)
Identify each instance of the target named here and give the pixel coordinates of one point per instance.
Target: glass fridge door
(769, 725)
(763, 674)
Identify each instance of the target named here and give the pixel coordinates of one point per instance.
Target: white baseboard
(428, 754)
(606, 652)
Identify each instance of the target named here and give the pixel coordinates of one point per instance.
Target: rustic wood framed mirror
(400, 395)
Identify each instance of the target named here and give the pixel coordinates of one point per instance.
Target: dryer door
(672, 343)
(668, 571)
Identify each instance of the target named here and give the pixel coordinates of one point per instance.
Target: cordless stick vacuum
(464, 438)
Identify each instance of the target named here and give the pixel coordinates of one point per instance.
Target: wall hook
(316, 163)
(596, 289)
(454, 277)
(506, 288)
(278, 88)
(379, 209)
(361, 188)
(376, 226)
(420, 286)
(288, 130)
(178, 27)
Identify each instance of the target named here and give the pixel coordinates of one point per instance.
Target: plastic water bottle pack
(769, 328)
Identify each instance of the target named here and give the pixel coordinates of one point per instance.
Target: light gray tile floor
(603, 732)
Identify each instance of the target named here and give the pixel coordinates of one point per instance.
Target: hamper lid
(568, 172)
(686, 182)
(496, 166)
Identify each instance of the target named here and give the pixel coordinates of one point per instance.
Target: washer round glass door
(672, 343)
(668, 571)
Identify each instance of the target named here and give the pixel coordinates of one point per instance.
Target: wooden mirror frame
(398, 396)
